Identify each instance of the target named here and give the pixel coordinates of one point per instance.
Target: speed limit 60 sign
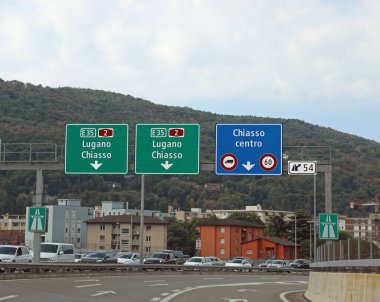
(302, 167)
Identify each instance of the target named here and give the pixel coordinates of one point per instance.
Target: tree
(182, 235)
(278, 227)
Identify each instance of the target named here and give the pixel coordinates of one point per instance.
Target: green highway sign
(37, 220)
(328, 226)
(167, 149)
(96, 149)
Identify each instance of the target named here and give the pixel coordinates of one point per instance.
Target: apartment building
(265, 215)
(367, 228)
(224, 238)
(12, 229)
(122, 233)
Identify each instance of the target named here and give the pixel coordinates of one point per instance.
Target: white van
(15, 253)
(57, 252)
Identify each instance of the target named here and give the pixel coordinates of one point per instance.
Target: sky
(314, 60)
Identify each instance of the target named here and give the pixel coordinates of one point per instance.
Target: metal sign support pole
(37, 235)
(142, 220)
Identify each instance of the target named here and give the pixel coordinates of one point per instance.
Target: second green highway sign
(167, 149)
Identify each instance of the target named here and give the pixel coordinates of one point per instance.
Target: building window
(125, 231)
(102, 238)
(222, 229)
(125, 242)
(102, 227)
(101, 247)
(221, 251)
(148, 238)
(78, 231)
(147, 249)
(222, 240)
(148, 228)
(78, 240)
(249, 252)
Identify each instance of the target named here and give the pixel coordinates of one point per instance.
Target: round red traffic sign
(228, 161)
(268, 162)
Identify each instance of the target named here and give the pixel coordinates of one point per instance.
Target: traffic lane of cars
(148, 287)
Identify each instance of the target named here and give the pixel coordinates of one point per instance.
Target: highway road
(154, 288)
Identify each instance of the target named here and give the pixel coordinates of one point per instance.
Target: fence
(350, 249)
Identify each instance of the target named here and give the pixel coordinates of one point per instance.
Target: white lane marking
(88, 285)
(155, 299)
(175, 290)
(282, 295)
(159, 284)
(103, 293)
(213, 278)
(165, 294)
(187, 289)
(8, 297)
(152, 281)
(234, 300)
(87, 280)
(291, 282)
(247, 290)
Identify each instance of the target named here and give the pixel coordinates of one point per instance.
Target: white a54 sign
(302, 167)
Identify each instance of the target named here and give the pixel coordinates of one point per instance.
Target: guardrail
(348, 266)
(32, 270)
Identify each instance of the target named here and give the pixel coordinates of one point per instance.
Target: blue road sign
(248, 149)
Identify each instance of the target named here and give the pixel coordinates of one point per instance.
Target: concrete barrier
(343, 287)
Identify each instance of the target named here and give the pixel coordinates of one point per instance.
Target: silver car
(15, 253)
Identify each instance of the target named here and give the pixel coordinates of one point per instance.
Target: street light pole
(295, 236)
(315, 216)
(310, 255)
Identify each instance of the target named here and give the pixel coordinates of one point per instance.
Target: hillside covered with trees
(36, 114)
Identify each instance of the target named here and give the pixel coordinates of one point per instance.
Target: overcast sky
(314, 60)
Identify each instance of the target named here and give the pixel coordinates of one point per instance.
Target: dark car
(300, 263)
(178, 255)
(99, 257)
(161, 258)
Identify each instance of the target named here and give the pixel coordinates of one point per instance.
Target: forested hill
(34, 114)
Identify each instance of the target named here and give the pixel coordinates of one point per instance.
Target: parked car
(276, 264)
(128, 258)
(198, 261)
(239, 263)
(300, 263)
(99, 257)
(178, 255)
(216, 261)
(266, 263)
(78, 257)
(57, 252)
(161, 258)
(15, 253)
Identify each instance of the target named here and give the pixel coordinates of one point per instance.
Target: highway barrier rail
(32, 270)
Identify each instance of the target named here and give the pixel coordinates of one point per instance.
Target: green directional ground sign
(167, 149)
(328, 226)
(96, 149)
(37, 220)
